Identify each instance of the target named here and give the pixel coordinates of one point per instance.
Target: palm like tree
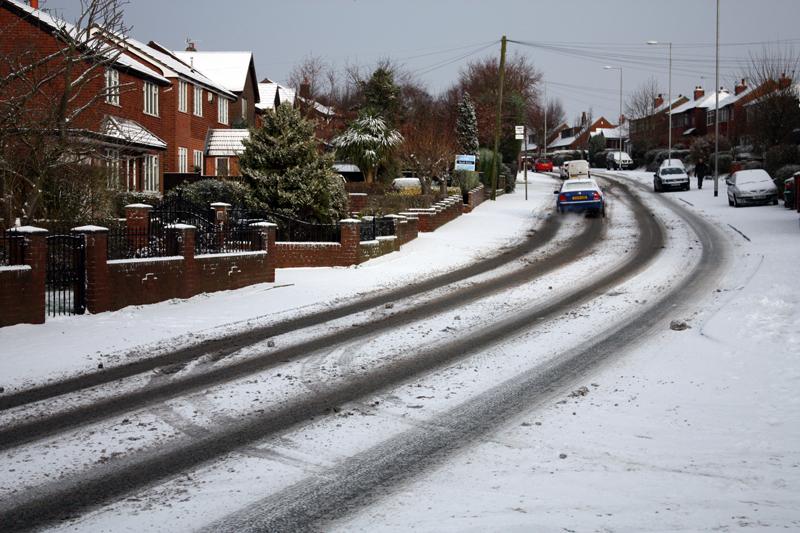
(367, 142)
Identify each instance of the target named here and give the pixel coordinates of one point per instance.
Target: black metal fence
(374, 227)
(289, 229)
(124, 243)
(65, 285)
(228, 239)
(12, 249)
(177, 209)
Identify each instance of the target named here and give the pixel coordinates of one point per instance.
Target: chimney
(305, 90)
(583, 118)
(659, 101)
(35, 4)
(740, 87)
(784, 82)
(698, 92)
(190, 46)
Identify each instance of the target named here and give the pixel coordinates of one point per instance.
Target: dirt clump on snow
(679, 325)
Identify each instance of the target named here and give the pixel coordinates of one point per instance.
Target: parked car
(618, 161)
(562, 170)
(577, 169)
(543, 165)
(789, 191)
(399, 184)
(751, 187)
(580, 195)
(671, 175)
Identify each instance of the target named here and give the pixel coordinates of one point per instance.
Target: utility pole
(716, 113)
(502, 74)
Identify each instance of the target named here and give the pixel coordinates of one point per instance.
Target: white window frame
(227, 164)
(151, 174)
(709, 117)
(112, 86)
(150, 98)
(112, 169)
(197, 160)
(244, 108)
(183, 160)
(130, 174)
(183, 96)
(197, 101)
(222, 110)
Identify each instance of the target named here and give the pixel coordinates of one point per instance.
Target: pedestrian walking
(700, 170)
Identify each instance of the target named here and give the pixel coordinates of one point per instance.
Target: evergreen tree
(382, 95)
(467, 126)
(367, 142)
(290, 175)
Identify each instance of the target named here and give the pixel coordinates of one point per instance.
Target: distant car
(577, 169)
(751, 187)
(618, 161)
(790, 190)
(671, 175)
(562, 170)
(543, 165)
(581, 195)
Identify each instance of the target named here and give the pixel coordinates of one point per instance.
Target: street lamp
(669, 95)
(619, 126)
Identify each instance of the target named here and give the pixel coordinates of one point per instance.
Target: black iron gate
(66, 275)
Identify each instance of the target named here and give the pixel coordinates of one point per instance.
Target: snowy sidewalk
(34, 354)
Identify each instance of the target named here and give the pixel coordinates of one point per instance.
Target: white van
(578, 168)
(618, 161)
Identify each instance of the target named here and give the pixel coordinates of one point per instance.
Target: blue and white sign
(465, 162)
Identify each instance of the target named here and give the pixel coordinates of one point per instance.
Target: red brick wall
(322, 254)
(22, 287)
(356, 202)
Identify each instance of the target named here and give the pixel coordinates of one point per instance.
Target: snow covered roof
(561, 142)
(666, 105)
(320, 108)
(131, 132)
(86, 35)
(227, 142)
(228, 69)
(704, 102)
(173, 66)
(346, 167)
(611, 133)
(267, 92)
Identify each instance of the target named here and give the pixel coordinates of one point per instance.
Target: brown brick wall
(357, 202)
(22, 287)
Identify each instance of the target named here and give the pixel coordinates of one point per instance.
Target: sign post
(521, 133)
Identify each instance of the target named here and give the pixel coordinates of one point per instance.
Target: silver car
(751, 187)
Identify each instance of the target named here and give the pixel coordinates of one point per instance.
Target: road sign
(465, 162)
(519, 130)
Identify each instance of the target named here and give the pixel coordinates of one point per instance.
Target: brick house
(114, 122)
(652, 130)
(577, 137)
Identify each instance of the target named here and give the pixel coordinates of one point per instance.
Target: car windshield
(672, 171)
(752, 177)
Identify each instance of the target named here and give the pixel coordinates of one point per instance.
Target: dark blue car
(581, 195)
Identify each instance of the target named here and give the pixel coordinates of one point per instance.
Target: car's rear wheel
(736, 202)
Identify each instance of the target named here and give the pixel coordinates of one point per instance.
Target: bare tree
(773, 114)
(47, 104)
(311, 71)
(640, 109)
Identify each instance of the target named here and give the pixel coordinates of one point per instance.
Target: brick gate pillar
(137, 224)
(269, 232)
(180, 241)
(350, 240)
(98, 289)
(31, 300)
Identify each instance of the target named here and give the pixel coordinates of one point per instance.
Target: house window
(183, 160)
(221, 166)
(183, 96)
(151, 177)
(150, 98)
(198, 101)
(244, 107)
(112, 169)
(222, 110)
(112, 86)
(709, 117)
(198, 161)
(130, 171)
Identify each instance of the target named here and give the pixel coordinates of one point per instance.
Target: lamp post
(619, 126)
(716, 110)
(669, 94)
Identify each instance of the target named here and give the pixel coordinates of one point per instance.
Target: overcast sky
(431, 37)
